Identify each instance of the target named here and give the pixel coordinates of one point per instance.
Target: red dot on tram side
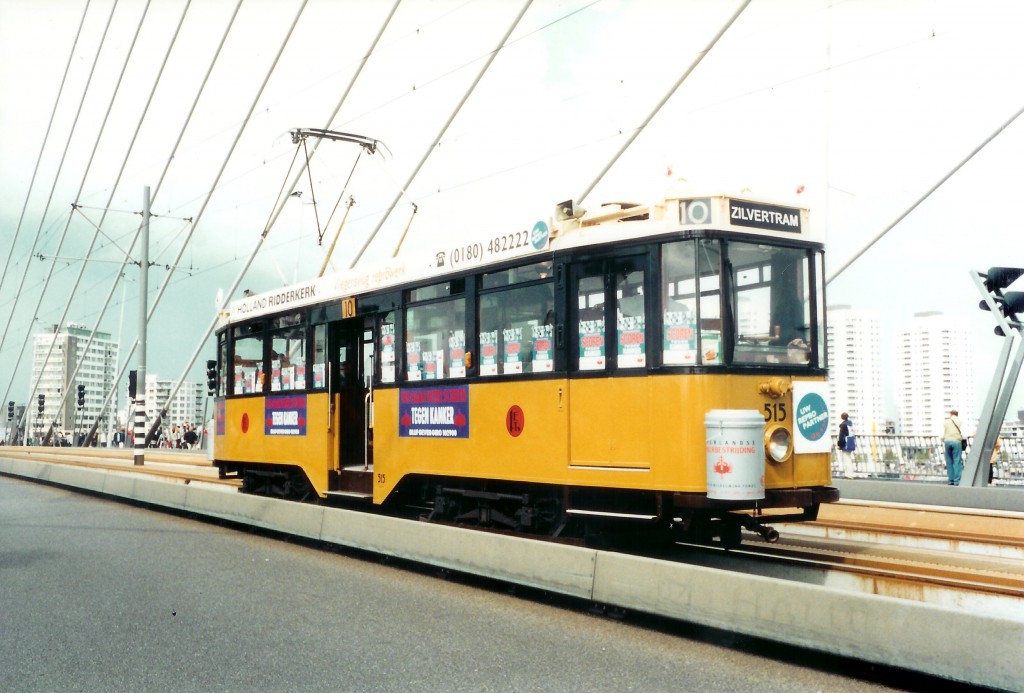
(515, 420)
(245, 423)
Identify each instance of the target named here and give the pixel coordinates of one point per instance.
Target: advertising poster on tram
(680, 342)
(811, 427)
(434, 412)
(631, 343)
(543, 358)
(285, 416)
(489, 353)
(591, 345)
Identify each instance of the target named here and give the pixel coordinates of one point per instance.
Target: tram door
(349, 379)
(610, 417)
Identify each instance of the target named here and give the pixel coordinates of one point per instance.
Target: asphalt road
(100, 596)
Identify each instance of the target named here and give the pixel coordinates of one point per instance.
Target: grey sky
(864, 104)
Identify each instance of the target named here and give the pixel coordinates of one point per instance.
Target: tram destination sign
(756, 215)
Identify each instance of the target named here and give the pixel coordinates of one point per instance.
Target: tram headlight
(778, 444)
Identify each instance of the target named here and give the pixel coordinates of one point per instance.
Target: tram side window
(772, 304)
(435, 340)
(319, 357)
(590, 295)
(387, 348)
(691, 303)
(819, 303)
(222, 362)
(248, 359)
(631, 318)
(516, 330)
(679, 303)
(288, 358)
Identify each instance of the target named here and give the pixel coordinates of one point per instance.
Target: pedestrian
(846, 444)
(991, 463)
(953, 443)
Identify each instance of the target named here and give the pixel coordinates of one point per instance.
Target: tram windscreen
(741, 303)
(771, 303)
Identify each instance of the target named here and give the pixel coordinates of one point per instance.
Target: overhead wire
(274, 215)
(675, 87)
(39, 158)
(42, 219)
(56, 177)
(444, 128)
(82, 266)
(167, 164)
(177, 386)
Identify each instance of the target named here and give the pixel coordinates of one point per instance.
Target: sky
(854, 108)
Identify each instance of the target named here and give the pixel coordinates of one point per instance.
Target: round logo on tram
(812, 416)
(540, 234)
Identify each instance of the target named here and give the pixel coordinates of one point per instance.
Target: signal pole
(140, 401)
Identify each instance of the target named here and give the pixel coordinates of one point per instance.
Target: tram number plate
(775, 411)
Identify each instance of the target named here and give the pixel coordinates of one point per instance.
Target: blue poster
(434, 412)
(285, 416)
(219, 416)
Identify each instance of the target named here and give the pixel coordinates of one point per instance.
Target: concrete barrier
(921, 637)
(563, 569)
(913, 635)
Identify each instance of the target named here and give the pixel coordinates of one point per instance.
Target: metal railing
(922, 458)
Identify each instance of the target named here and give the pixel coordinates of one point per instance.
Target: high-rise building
(187, 405)
(935, 366)
(855, 371)
(56, 355)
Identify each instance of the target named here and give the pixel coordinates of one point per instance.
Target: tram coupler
(769, 534)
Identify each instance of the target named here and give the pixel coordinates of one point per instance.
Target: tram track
(184, 467)
(893, 570)
(886, 549)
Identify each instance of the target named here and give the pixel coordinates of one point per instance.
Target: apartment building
(855, 367)
(935, 372)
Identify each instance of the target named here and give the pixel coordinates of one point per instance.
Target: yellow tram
(654, 367)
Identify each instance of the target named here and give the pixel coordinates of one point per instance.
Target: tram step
(351, 494)
(356, 480)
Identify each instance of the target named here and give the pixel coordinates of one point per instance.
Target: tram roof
(570, 227)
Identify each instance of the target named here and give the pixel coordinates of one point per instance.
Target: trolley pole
(140, 398)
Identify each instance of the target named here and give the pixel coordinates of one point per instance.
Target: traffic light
(81, 395)
(211, 377)
(133, 377)
(1010, 303)
(10, 410)
(42, 403)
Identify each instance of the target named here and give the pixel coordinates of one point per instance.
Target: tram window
(319, 357)
(691, 303)
(819, 273)
(631, 318)
(248, 360)
(516, 330)
(426, 293)
(387, 348)
(516, 275)
(435, 344)
(222, 362)
(679, 303)
(288, 359)
(368, 354)
(590, 295)
(771, 304)
(709, 283)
